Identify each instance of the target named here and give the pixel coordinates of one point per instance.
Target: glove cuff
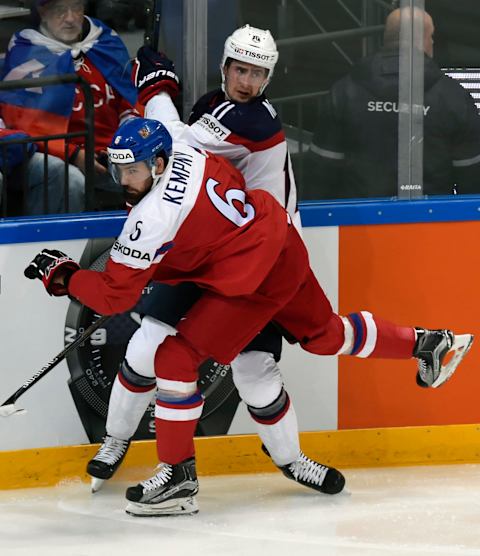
(162, 87)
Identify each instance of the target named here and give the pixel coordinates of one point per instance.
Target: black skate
(107, 460)
(170, 492)
(311, 474)
(431, 348)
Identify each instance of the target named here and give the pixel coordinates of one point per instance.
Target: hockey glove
(154, 73)
(51, 265)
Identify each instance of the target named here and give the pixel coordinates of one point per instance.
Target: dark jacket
(356, 142)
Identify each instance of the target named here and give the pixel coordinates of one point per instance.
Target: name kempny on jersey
(178, 181)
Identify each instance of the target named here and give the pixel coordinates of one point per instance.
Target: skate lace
(111, 450)
(305, 469)
(160, 479)
(422, 365)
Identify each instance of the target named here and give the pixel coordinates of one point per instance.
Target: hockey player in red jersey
(193, 220)
(238, 122)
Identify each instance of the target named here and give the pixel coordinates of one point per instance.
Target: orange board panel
(412, 274)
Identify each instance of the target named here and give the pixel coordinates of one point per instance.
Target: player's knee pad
(143, 345)
(272, 413)
(177, 360)
(134, 381)
(257, 378)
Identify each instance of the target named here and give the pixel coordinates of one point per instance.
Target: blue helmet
(140, 139)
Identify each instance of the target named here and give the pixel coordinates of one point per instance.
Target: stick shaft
(56, 360)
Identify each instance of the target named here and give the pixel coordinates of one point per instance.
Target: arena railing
(45, 139)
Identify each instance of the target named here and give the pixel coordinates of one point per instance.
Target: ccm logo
(121, 156)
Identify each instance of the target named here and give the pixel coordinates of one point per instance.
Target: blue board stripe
(313, 213)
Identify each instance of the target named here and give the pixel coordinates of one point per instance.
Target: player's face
(135, 179)
(63, 19)
(243, 81)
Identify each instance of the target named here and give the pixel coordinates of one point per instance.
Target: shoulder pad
(254, 121)
(205, 104)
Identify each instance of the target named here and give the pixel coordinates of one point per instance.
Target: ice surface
(406, 511)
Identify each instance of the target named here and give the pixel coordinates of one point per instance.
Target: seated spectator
(11, 163)
(68, 41)
(354, 150)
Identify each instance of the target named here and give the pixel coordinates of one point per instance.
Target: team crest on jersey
(144, 132)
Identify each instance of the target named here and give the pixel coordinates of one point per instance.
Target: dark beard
(133, 198)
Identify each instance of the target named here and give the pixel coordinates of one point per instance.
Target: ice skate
(170, 492)
(311, 474)
(431, 348)
(107, 460)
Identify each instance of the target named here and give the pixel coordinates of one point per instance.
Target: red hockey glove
(153, 73)
(49, 266)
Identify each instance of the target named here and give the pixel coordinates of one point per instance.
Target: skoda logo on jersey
(120, 155)
(136, 234)
(129, 252)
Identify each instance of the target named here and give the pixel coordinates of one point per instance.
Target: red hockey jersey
(197, 224)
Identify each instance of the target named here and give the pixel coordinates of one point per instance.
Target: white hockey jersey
(250, 135)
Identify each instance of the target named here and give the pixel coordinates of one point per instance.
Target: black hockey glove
(153, 73)
(51, 264)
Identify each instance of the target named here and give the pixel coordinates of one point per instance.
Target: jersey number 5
(226, 206)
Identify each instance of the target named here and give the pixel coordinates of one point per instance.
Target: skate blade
(7, 410)
(179, 506)
(96, 484)
(460, 346)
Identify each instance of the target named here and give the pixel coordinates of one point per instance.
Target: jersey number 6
(226, 206)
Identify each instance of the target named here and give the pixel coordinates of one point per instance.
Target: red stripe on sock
(272, 420)
(133, 387)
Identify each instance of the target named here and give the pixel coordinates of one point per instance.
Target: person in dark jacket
(355, 146)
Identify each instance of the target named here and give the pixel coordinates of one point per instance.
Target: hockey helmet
(253, 46)
(137, 140)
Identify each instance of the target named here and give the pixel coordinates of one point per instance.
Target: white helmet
(253, 46)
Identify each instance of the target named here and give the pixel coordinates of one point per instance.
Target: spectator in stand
(11, 164)
(68, 41)
(355, 146)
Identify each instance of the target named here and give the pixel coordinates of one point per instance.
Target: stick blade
(7, 410)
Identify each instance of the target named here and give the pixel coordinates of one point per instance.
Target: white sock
(126, 409)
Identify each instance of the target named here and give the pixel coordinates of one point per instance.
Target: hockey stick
(8, 407)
